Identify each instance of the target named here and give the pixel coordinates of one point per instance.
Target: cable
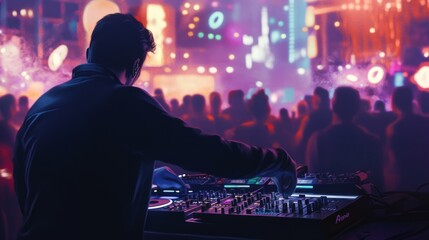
(422, 186)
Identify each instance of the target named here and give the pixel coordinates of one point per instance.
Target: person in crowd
(221, 121)
(345, 147)
(407, 140)
(283, 129)
(199, 117)
(303, 111)
(84, 156)
(237, 111)
(7, 130)
(175, 107)
(23, 105)
(9, 209)
(259, 131)
(423, 101)
(159, 96)
(379, 106)
(381, 119)
(319, 118)
(186, 106)
(365, 118)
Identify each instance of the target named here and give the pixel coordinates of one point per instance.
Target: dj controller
(250, 208)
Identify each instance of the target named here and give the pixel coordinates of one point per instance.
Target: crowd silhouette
(344, 136)
(338, 135)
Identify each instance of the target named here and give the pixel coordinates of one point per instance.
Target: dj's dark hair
(118, 40)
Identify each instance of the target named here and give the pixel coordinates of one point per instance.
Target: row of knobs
(271, 205)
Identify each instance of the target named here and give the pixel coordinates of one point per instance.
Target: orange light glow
(94, 11)
(177, 86)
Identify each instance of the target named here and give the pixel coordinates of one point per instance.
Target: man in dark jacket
(85, 154)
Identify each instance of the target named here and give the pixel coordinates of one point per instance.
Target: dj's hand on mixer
(286, 181)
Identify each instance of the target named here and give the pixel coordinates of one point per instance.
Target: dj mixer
(255, 214)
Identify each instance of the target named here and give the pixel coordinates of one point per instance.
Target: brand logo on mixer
(340, 218)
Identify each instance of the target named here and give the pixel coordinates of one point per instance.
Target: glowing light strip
(304, 181)
(236, 186)
(169, 191)
(328, 196)
(163, 205)
(291, 18)
(304, 186)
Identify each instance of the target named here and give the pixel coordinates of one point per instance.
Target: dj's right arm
(191, 149)
(168, 139)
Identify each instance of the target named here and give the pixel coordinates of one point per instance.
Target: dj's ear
(136, 68)
(88, 56)
(134, 74)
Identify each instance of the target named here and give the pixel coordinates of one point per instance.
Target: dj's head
(120, 42)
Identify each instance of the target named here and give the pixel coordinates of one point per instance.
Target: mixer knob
(324, 199)
(267, 205)
(307, 201)
(300, 209)
(244, 197)
(245, 204)
(208, 205)
(292, 207)
(231, 210)
(222, 210)
(314, 206)
(238, 199)
(188, 203)
(215, 209)
(259, 196)
(284, 209)
(319, 202)
(309, 210)
(238, 209)
(248, 211)
(218, 200)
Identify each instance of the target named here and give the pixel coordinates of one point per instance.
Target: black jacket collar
(90, 69)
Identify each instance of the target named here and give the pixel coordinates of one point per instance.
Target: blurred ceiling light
(94, 11)
(421, 77)
(352, 78)
(57, 57)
